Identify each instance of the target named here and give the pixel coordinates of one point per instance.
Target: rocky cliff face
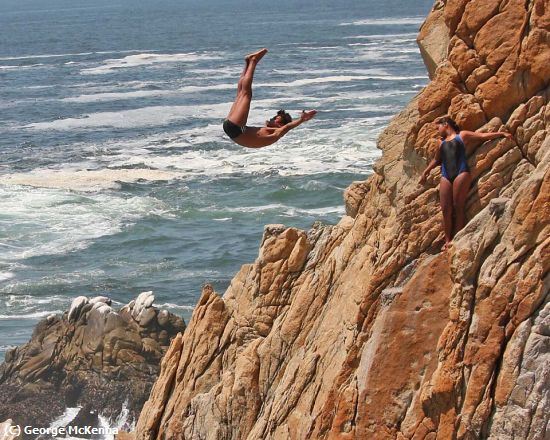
(364, 330)
(92, 357)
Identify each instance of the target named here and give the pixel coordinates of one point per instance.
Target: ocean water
(115, 175)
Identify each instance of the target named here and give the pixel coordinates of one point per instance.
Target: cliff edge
(365, 330)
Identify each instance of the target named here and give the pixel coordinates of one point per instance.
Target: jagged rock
(91, 356)
(433, 38)
(373, 333)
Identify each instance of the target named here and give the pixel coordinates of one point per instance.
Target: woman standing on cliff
(455, 173)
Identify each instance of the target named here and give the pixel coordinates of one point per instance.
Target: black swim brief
(232, 130)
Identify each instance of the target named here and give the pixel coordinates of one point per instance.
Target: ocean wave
(351, 75)
(85, 180)
(152, 116)
(116, 96)
(34, 315)
(285, 210)
(335, 78)
(23, 301)
(175, 306)
(140, 117)
(358, 75)
(388, 48)
(4, 276)
(64, 55)
(386, 21)
(354, 72)
(147, 59)
(405, 35)
(316, 150)
(42, 221)
(24, 66)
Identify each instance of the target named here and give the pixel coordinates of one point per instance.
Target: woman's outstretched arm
(472, 136)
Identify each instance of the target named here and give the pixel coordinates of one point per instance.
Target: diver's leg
(239, 85)
(446, 200)
(241, 108)
(461, 187)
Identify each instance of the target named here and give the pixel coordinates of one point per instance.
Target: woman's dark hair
(449, 121)
(284, 116)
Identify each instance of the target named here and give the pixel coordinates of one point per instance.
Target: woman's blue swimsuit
(453, 158)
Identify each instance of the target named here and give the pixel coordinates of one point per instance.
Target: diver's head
(446, 126)
(279, 120)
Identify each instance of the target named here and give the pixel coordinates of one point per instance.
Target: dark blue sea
(115, 175)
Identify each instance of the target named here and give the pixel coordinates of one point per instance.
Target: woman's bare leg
(461, 188)
(446, 200)
(241, 108)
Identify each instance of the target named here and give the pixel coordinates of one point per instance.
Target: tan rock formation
(364, 330)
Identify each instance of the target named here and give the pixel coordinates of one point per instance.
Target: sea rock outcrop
(365, 330)
(92, 356)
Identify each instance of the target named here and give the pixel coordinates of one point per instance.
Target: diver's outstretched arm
(305, 116)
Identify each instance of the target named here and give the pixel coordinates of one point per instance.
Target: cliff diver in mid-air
(257, 137)
(455, 173)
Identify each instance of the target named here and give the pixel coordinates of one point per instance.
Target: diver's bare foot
(256, 56)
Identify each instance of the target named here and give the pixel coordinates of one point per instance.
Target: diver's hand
(422, 179)
(306, 116)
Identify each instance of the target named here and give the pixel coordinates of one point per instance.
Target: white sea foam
(334, 79)
(386, 21)
(401, 43)
(329, 72)
(25, 66)
(152, 116)
(34, 315)
(175, 306)
(350, 76)
(27, 302)
(316, 150)
(285, 210)
(65, 418)
(140, 117)
(4, 276)
(84, 180)
(148, 59)
(64, 55)
(41, 221)
(116, 96)
(409, 36)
